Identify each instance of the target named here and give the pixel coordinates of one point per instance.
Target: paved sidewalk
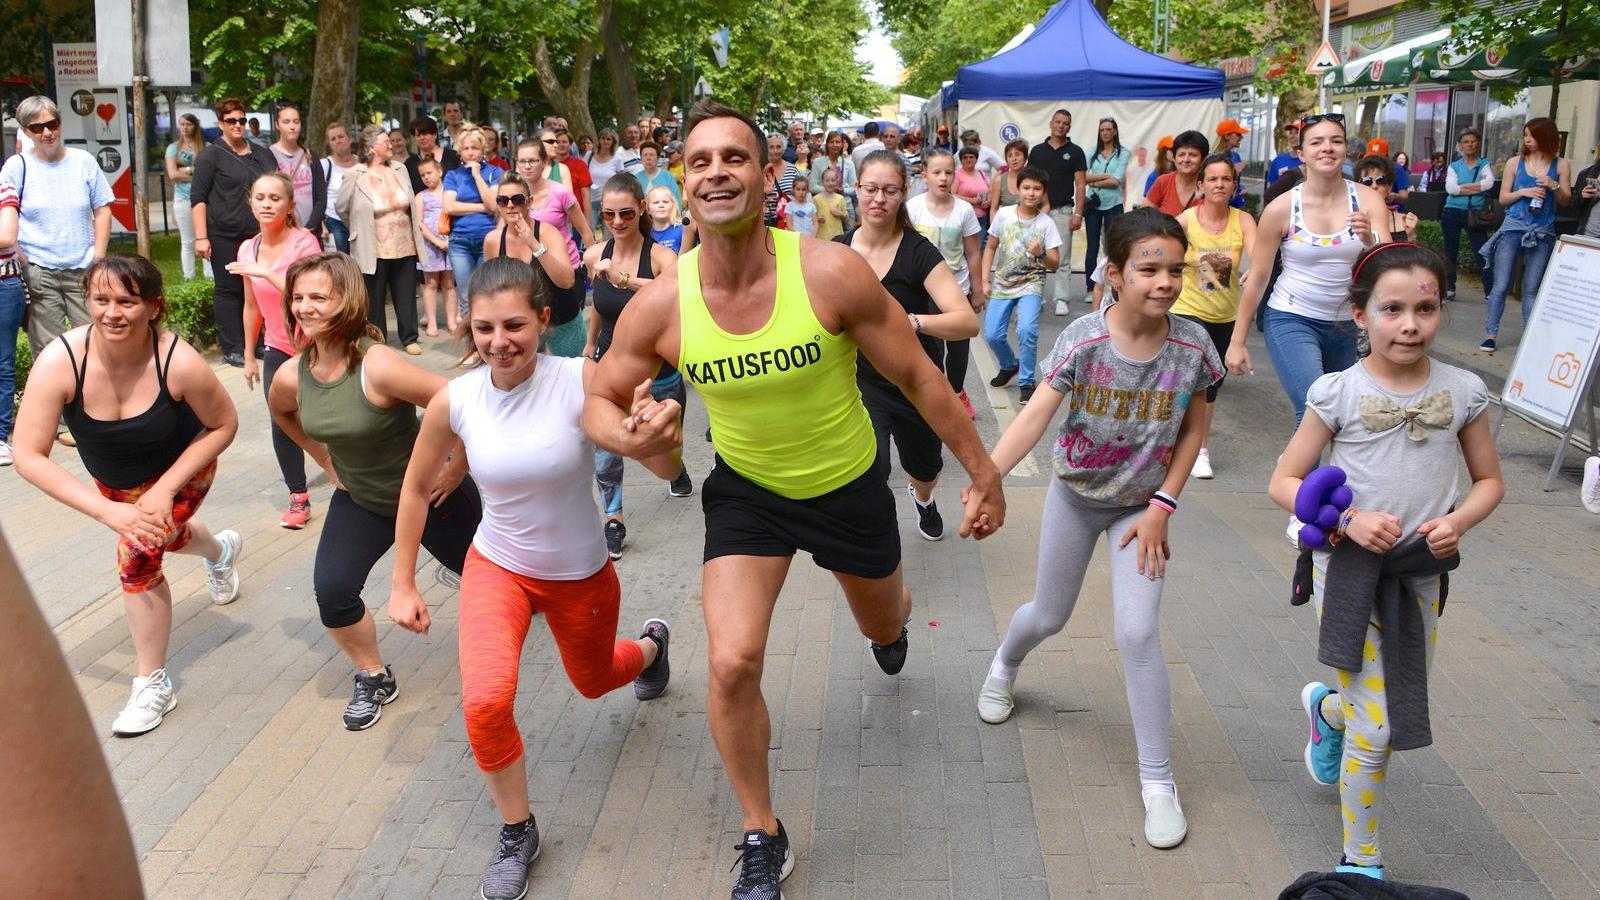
(888, 786)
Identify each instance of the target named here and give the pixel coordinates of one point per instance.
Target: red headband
(1381, 247)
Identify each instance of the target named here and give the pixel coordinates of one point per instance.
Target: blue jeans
(466, 255)
(1304, 349)
(997, 322)
(1534, 259)
(11, 305)
(608, 465)
(1095, 223)
(341, 234)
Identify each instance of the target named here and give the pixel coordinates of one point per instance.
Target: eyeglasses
(1308, 121)
(874, 190)
(235, 120)
(527, 161)
(512, 199)
(1373, 180)
(42, 127)
(620, 215)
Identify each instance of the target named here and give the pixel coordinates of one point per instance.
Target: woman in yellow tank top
(1212, 280)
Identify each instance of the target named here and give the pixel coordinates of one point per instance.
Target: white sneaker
(1591, 485)
(5, 454)
(152, 697)
(222, 576)
(994, 701)
(1164, 824)
(1202, 464)
(1061, 307)
(1293, 532)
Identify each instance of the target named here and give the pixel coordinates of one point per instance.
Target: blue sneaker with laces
(1325, 746)
(1347, 867)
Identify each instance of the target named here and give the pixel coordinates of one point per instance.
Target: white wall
(1578, 115)
(1140, 122)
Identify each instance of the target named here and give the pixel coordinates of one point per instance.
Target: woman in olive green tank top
(351, 403)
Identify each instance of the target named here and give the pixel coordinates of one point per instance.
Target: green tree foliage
(798, 55)
(1575, 23)
(22, 59)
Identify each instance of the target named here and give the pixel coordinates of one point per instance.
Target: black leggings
(355, 538)
(227, 300)
(291, 459)
(399, 276)
(956, 354)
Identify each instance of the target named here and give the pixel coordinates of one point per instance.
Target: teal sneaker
(1347, 867)
(1325, 747)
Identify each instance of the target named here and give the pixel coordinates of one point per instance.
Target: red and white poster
(95, 119)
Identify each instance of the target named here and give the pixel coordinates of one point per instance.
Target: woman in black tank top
(520, 236)
(618, 269)
(150, 420)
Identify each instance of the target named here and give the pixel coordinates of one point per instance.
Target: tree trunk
(619, 62)
(571, 101)
(1555, 67)
(333, 79)
(476, 101)
(664, 95)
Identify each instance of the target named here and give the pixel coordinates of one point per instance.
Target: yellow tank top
(1211, 288)
(784, 407)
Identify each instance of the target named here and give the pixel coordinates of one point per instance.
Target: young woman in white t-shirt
(952, 225)
(539, 547)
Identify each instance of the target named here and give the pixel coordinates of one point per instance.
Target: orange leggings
(497, 607)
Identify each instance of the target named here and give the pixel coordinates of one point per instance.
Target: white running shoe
(1061, 307)
(1164, 824)
(222, 576)
(1293, 532)
(1591, 485)
(152, 697)
(995, 702)
(1202, 464)
(5, 454)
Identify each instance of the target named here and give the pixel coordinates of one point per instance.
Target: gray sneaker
(652, 682)
(372, 693)
(222, 576)
(507, 875)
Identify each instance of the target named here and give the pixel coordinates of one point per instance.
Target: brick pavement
(889, 787)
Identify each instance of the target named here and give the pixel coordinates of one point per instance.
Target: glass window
(1465, 112)
(1502, 123)
(1428, 129)
(1392, 127)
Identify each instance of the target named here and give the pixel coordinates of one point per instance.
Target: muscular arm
(648, 325)
(875, 323)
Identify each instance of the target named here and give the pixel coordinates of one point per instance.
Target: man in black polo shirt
(1064, 162)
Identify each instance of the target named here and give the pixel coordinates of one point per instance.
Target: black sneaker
(1027, 394)
(767, 861)
(372, 694)
(507, 875)
(615, 532)
(682, 486)
(234, 359)
(892, 659)
(929, 523)
(652, 682)
(1003, 378)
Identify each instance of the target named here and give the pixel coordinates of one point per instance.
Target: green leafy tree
(22, 46)
(782, 59)
(1575, 24)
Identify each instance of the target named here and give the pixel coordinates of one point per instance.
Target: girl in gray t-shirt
(1126, 378)
(1398, 423)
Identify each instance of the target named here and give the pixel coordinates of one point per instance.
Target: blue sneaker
(1325, 747)
(1350, 868)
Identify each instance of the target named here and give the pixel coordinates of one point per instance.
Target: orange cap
(1165, 143)
(1231, 126)
(1377, 147)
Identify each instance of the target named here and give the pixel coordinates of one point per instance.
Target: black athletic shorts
(1221, 334)
(852, 529)
(893, 415)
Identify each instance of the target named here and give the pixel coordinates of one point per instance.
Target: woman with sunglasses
(1378, 173)
(65, 221)
(1319, 227)
(618, 269)
(557, 207)
(219, 199)
(523, 236)
(375, 204)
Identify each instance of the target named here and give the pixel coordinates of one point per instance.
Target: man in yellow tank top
(766, 325)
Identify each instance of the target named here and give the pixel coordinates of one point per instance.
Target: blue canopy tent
(1074, 60)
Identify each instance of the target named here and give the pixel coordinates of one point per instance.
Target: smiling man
(766, 325)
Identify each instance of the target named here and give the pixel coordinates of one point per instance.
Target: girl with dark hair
(1006, 181)
(1119, 467)
(917, 274)
(181, 155)
(1107, 176)
(619, 268)
(351, 402)
(538, 549)
(1535, 182)
(150, 418)
(1398, 424)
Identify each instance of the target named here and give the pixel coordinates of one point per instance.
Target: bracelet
(1165, 501)
(916, 323)
(1345, 518)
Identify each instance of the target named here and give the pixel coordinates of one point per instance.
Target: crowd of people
(819, 291)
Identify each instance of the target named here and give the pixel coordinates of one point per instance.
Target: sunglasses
(42, 127)
(621, 215)
(236, 120)
(547, 141)
(1372, 180)
(512, 199)
(1335, 118)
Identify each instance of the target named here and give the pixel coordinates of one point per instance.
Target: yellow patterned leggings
(1361, 710)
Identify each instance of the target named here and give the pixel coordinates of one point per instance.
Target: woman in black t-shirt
(912, 270)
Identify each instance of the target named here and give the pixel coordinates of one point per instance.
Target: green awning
(1437, 57)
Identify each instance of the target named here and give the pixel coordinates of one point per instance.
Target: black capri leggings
(291, 459)
(355, 538)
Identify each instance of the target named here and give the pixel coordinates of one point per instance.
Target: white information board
(1555, 361)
